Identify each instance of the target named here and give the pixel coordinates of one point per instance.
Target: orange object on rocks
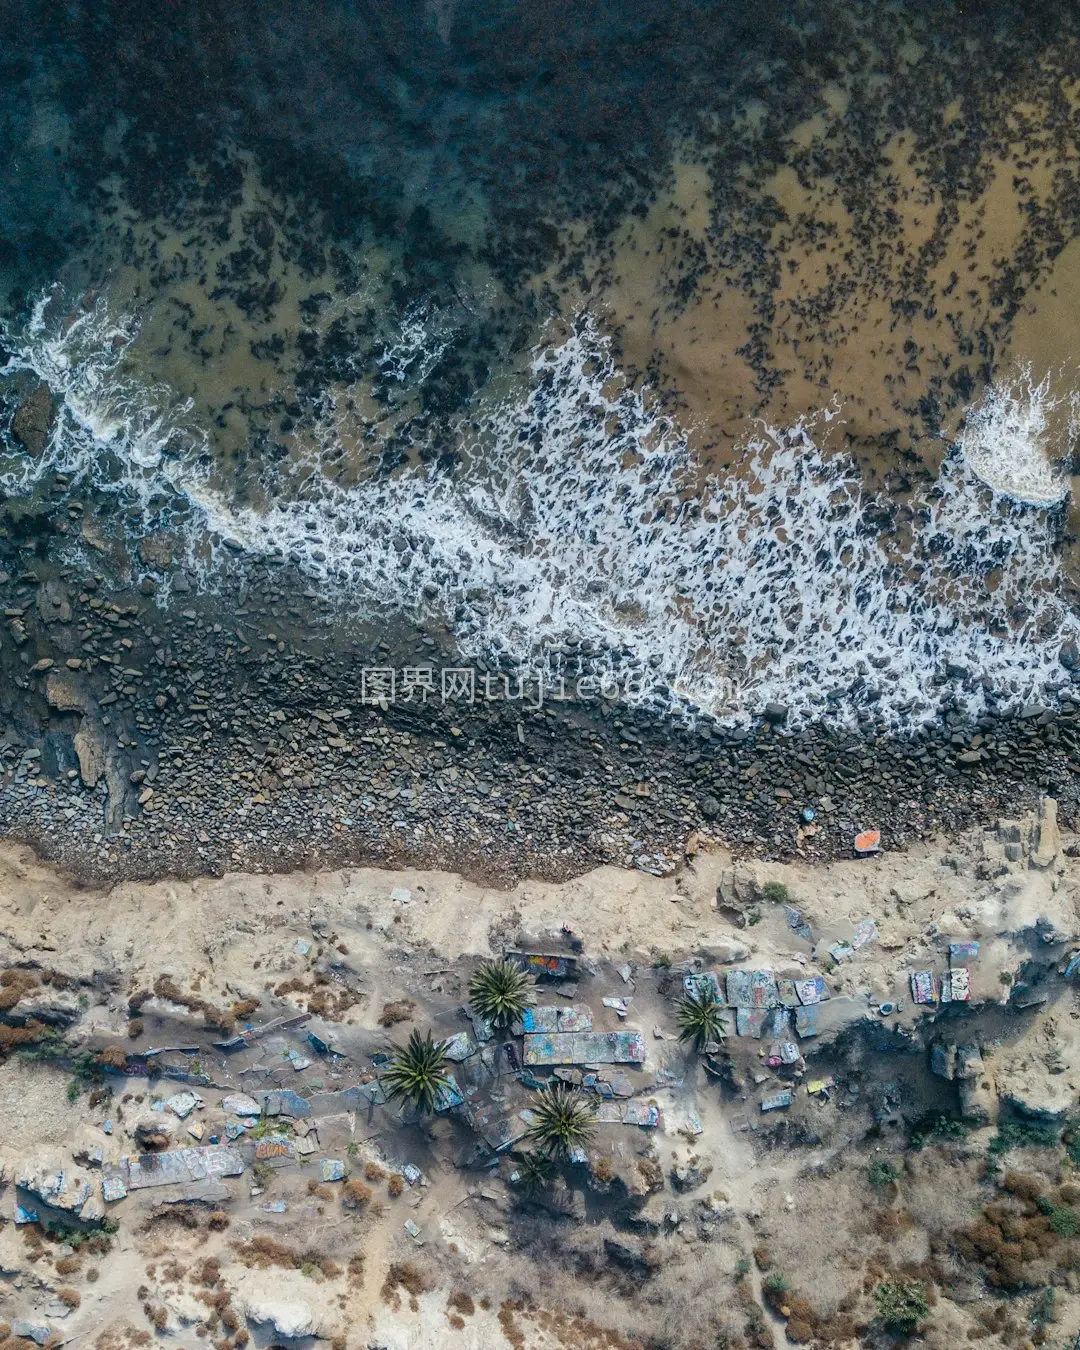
(868, 841)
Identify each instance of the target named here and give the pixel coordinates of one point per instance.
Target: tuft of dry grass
(355, 1194)
(400, 1010)
(265, 1252)
(408, 1276)
(14, 985)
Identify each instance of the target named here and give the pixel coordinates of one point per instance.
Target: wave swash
(578, 525)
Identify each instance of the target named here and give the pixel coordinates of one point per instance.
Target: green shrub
(935, 1125)
(901, 1304)
(1064, 1221)
(775, 892)
(1022, 1134)
(882, 1173)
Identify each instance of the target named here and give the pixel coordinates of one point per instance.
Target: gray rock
(290, 1320)
(978, 1103)
(710, 807)
(33, 419)
(55, 1184)
(90, 749)
(721, 949)
(31, 1331)
(68, 692)
(1049, 845)
(157, 550)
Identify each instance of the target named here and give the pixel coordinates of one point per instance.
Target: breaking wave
(1004, 439)
(577, 527)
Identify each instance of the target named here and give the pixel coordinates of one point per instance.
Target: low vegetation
(499, 992)
(562, 1121)
(701, 1016)
(417, 1073)
(901, 1305)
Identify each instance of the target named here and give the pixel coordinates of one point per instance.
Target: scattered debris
(31, 1331)
(183, 1103)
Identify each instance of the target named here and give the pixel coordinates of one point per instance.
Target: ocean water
(417, 297)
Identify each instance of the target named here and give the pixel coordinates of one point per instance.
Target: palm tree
(499, 992)
(702, 1017)
(535, 1170)
(562, 1121)
(417, 1072)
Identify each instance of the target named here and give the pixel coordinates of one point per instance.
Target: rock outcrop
(33, 419)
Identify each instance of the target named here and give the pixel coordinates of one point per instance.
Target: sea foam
(579, 530)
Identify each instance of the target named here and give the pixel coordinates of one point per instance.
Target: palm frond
(499, 992)
(535, 1170)
(562, 1121)
(417, 1072)
(702, 1017)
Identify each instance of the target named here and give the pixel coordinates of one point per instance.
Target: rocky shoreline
(231, 732)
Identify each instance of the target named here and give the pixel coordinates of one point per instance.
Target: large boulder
(69, 692)
(184, 1310)
(978, 1101)
(720, 948)
(47, 1178)
(287, 1319)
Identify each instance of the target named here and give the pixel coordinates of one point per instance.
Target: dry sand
(399, 935)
